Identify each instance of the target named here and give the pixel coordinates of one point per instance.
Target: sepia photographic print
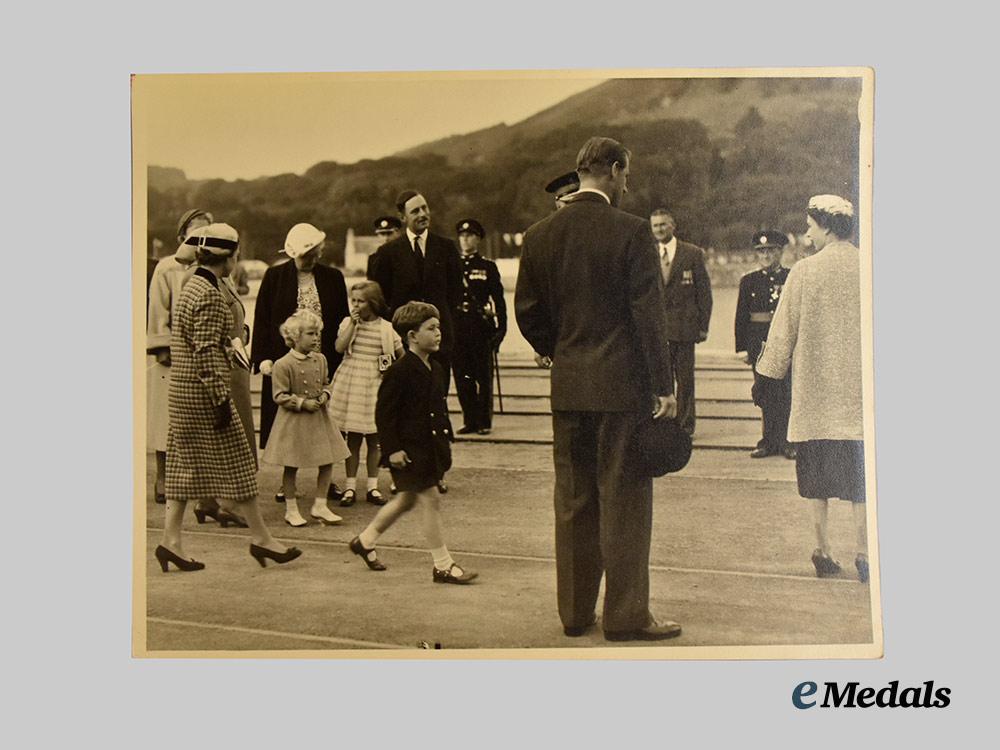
(549, 364)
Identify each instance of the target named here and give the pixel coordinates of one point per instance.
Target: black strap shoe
(450, 576)
(368, 555)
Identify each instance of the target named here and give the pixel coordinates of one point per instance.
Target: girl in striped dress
(369, 345)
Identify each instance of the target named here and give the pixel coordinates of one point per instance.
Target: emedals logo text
(852, 695)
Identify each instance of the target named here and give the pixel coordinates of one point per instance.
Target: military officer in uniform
(758, 299)
(480, 325)
(387, 228)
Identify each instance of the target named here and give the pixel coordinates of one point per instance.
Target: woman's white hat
(831, 204)
(301, 239)
(218, 239)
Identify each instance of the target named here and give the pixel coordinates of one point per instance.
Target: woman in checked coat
(208, 454)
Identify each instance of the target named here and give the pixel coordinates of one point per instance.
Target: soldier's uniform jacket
(480, 284)
(758, 299)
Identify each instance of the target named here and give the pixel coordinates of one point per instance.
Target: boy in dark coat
(415, 435)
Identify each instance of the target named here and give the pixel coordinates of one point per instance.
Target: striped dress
(356, 382)
(204, 463)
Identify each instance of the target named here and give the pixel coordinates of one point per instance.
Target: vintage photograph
(547, 364)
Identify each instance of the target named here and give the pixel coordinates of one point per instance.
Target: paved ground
(730, 561)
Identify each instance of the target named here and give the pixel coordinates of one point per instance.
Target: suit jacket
(395, 268)
(688, 294)
(590, 295)
(411, 414)
(277, 298)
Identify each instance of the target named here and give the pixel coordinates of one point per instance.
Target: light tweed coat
(202, 462)
(817, 331)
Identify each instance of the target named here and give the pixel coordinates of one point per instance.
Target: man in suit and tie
(421, 266)
(589, 296)
(688, 295)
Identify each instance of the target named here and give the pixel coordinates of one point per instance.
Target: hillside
(728, 156)
(718, 104)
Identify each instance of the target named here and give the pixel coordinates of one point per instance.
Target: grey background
(67, 547)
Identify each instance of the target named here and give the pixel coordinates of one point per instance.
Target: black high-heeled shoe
(226, 518)
(263, 554)
(164, 556)
(202, 513)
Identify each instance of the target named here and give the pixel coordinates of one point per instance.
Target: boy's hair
(298, 322)
(412, 315)
(371, 291)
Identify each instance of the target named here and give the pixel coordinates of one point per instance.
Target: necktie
(419, 254)
(665, 265)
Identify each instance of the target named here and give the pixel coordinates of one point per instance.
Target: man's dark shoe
(655, 631)
(465, 430)
(761, 452)
(454, 574)
(790, 452)
(442, 487)
(826, 567)
(575, 631)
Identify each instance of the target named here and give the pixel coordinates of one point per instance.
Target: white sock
(368, 538)
(352, 483)
(372, 483)
(442, 558)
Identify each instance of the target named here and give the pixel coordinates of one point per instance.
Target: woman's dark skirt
(831, 468)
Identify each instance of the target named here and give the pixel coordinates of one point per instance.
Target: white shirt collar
(423, 238)
(670, 248)
(299, 355)
(594, 190)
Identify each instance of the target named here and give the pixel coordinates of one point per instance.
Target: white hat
(301, 239)
(831, 204)
(218, 239)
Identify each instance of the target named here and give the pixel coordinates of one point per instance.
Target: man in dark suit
(688, 295)
(760, 291)
(422, 267)
(589, 295)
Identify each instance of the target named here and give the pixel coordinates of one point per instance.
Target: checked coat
(203, 462)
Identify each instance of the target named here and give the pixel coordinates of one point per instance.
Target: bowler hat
(660, 446)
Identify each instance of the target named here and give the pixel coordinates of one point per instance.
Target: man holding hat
(387, 228)
(480, 325)
(758, 299)
(562, 187)
(164, 289)
(589, 296)
(304, 283)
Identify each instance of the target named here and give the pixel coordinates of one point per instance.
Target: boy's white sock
(352, 483)
(442, 558)
(372, 483)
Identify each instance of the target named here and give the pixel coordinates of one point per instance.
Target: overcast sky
(246, 126)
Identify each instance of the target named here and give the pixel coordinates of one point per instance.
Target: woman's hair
(299, 321)
(372, 292)
(412, 315)
(206, 257)
(833, 213)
